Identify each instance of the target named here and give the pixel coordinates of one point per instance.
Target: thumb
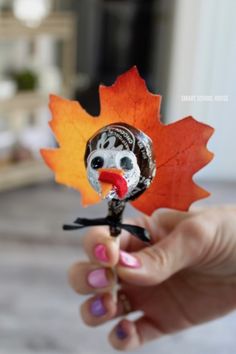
(185, 246)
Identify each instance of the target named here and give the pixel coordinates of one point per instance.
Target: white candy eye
(97, 162)
(97, 159)
(126, 163)
(126, 160)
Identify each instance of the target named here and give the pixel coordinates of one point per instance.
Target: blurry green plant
(26, 80)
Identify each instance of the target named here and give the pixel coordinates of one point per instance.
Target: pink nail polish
(98, 278)
(100, 253)
(128, 260)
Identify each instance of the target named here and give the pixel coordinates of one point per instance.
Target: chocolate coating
(123, 137)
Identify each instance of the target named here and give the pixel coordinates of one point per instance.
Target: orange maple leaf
(180, 148)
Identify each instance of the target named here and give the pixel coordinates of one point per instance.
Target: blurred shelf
(22, 174)
(60, 25)
(25, 100)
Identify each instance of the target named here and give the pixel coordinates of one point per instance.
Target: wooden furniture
(60, 26)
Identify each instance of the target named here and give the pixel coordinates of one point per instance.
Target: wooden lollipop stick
(115, 213)
(116, 287)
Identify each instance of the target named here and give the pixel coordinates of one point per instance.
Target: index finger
(101, 247)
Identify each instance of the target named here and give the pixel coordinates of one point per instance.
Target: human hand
(186, 277)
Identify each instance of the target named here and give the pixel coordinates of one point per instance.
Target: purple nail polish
(120, 332)
(97, 308)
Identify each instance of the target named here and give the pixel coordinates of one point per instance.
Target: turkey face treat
(120, 162)
(126, 154)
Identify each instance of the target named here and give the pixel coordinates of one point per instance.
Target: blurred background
(186, 51)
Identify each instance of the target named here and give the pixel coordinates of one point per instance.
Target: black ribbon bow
(137, 231)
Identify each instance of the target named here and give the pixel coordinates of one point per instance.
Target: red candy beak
(112, 178)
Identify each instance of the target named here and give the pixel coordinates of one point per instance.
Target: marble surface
(38, 310)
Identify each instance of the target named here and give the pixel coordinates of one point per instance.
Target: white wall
(203, 62)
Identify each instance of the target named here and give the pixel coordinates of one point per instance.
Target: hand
(186, 277)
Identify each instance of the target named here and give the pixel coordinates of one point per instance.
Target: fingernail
(98, 278)
(120, 332)
(97, 308)
(100, 253)
(128, 260)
